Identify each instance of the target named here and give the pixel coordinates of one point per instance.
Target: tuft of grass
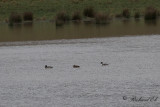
(76, 16)
(151, 13)
(62, 16)
(126, 13)
(101, 18)
(89, 12)
(28, 16)
(137, 15)
(15, 18)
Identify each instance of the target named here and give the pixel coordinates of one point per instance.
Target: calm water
(48, 30)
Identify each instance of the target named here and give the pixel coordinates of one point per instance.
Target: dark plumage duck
(46, 66)
(76, 66)
(103, 64)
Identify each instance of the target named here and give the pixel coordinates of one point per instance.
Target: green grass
(49, 8)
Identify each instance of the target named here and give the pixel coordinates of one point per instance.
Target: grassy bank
(47, 9)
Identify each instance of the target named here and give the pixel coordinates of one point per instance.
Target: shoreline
(66, 41)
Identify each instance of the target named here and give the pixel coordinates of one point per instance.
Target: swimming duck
(76, 66)
(46, 66)
(103, 64)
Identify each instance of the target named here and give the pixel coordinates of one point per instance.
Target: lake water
(48, 31)
(133, 71)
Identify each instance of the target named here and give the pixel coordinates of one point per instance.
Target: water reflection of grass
(44, 30)
(151, 22)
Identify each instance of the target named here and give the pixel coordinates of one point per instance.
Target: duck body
(76, 66)
(46, 66)
(103, 64)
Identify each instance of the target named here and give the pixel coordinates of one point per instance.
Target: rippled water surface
(133, 71)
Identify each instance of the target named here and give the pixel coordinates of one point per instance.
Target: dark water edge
(41, 31)
(67, 41)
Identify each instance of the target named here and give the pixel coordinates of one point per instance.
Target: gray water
(133, 71)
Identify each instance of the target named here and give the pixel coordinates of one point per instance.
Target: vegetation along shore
(64, 10)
